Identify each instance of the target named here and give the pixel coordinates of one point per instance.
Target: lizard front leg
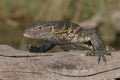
(98, 47)
(47, 45)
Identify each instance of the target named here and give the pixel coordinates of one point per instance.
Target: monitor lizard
(63, 33)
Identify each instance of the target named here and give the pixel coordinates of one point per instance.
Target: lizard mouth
(32, 36)
(27, 35)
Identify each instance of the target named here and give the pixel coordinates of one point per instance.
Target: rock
(115, 17)
(93, 22)
(74, 65)
(97, 20)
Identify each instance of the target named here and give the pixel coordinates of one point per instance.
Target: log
(73, 65)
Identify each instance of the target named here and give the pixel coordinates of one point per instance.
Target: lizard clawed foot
(99, 54)
(99, 58)
(90, 53)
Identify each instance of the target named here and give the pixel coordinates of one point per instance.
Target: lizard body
(64, 32)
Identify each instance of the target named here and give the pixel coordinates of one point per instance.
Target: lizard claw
(93, 53)
(99, 58)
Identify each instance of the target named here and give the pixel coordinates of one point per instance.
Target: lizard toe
(91, 53)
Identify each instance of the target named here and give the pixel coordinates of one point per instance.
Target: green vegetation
(25, 12)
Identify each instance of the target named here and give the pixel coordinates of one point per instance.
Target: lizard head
(38, 31)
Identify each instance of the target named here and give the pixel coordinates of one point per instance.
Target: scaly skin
(63, 32)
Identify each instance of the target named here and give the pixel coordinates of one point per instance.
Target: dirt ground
(73, 65)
